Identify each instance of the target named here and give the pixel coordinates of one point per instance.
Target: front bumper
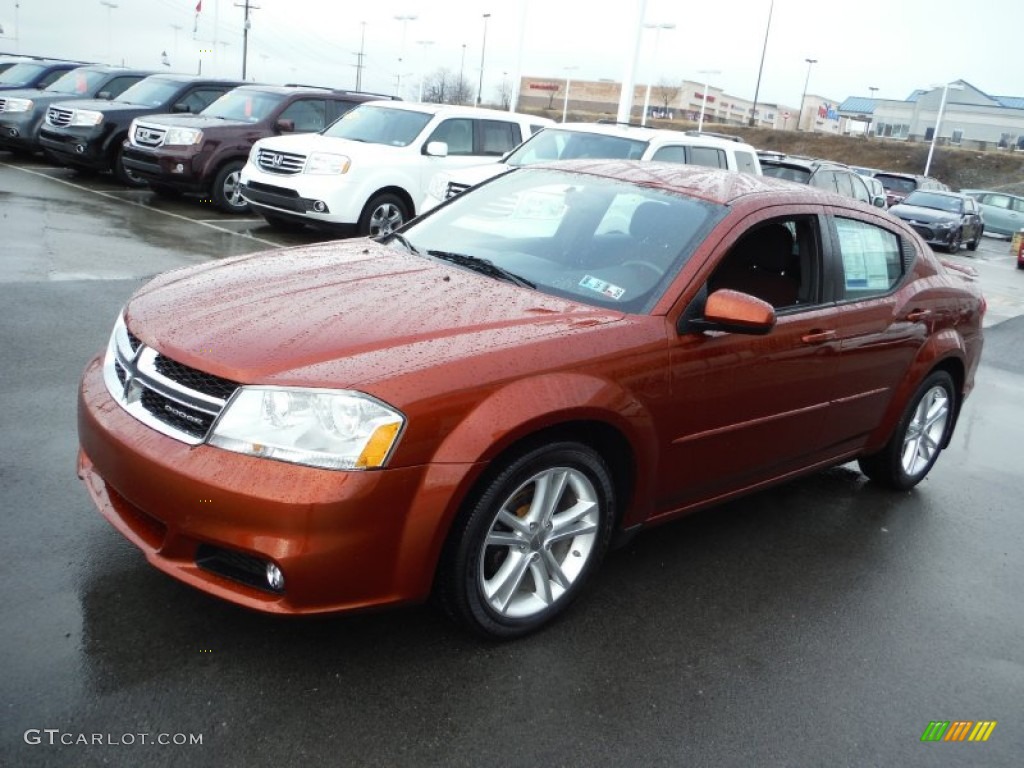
(328, 199)
(182, 170)
(18, 131)
(84, 148)
(932, 233)
(343, 540)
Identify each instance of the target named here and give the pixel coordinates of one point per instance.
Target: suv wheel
(382, 216)
(227, 193)
(126, 176)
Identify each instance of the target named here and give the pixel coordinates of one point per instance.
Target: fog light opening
(179, 168)
(13, 132)
(80, 149)
(275, 579)
(319, 206)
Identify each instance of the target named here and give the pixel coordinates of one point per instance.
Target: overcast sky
(894, 45)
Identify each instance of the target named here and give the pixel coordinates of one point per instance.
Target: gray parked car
(1004, 214)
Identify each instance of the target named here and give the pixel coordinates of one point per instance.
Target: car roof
(651, 135)
(712, 184)
(286, 90)
(179, 78)
(801, 161)
(454, 109)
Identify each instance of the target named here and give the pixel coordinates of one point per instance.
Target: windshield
(787, 172)
(554, 144)
(151, 92)
(586, 238)
(380, 125)
(78, 82)
(897, 184)
(21, 74)
(244, 106)
(932, 200)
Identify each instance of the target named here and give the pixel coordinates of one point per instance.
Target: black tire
(383, 215)
(125, 175)
(226, 193)
(912, 451)
(973, 245)
(513, 563)
(282, 223)
(954, 244)
(167, 193)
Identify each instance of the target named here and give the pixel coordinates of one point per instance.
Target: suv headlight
(182, 137)
(86, 117)
(327, 163)
(328, 428)
(18, 105)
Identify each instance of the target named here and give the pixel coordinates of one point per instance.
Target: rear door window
(872, 259)
(709, 157)
(496, 137)
(309, 115)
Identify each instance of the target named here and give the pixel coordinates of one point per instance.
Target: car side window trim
(835, 284)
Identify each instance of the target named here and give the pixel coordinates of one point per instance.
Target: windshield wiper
(483, 266)
(404, 241)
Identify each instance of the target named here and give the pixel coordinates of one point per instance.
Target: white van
(368, 169)
(570, 141)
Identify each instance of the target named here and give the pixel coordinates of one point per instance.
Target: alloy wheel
(923, 438)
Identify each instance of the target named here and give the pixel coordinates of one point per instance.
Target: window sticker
(600, 286)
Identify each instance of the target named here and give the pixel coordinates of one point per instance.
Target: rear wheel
(382, 216)
(227, 191)
(920, 434)
(530, 541)
(126, 176)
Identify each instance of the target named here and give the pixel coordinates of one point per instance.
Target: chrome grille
(172, 398)
(148, 135)
(272, 161)
(58, 117)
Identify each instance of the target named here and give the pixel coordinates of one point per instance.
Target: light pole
(423, 70)
(568, 82)
(647, 94)
(462, 79)
(483, 53)
(405, 19)
(872, 88)
(110, 7)
(760, 69)
(938, 121)
(800, 117)
(704, 101)
(362, 56)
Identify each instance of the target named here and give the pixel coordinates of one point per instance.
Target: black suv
(34, 74)
(89, 135)
(824, 174)
(22, 112)
(204, 154)
(945, 219)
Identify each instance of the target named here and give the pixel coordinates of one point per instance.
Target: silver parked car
(1004, 214)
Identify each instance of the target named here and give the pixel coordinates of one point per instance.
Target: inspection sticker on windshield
(605, 289)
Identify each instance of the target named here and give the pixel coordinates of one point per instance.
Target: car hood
(199, 122)
(307, 143)
(927, 215)
(107, 107)
(342, 314)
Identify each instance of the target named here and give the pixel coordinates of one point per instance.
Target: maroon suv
(203, 154)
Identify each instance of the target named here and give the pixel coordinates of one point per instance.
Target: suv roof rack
(342, 90)
(726, 136)
(609, 121)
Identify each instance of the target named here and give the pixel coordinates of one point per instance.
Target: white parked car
(571, 141)
(369, 168)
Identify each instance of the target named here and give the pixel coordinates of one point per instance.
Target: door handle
(917, 314)
(816, 337)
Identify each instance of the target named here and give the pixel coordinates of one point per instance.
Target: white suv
(371, 167)
(568, 141)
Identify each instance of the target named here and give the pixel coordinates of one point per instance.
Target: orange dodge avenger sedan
(478, 405)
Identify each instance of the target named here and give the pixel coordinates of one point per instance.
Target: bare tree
(504, 93)
(551, 95)
(667, 92)
(444, 87)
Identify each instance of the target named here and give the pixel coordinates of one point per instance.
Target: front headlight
(253, 153)
(946, 224)
(182, 137)
(18, 105)
(439, 186)
(332, 429)
(86, 117)
(326, 163)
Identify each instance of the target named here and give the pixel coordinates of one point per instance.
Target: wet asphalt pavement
(822, 623)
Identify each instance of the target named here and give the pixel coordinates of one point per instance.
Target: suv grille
(280, 162)
(58, 117)
(172, 398)
(148, 136)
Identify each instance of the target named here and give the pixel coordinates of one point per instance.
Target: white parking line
(111, 196)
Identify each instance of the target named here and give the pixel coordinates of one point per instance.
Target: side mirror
(181, 107)
(285, 126)
(106, 95)
(878, 201)
(436, 149)
(734, 312)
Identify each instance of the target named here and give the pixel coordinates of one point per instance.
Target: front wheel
(954, 244)
(382, 216)
(529, 543)
(227, 190)
(973, 244)
(919, 437)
